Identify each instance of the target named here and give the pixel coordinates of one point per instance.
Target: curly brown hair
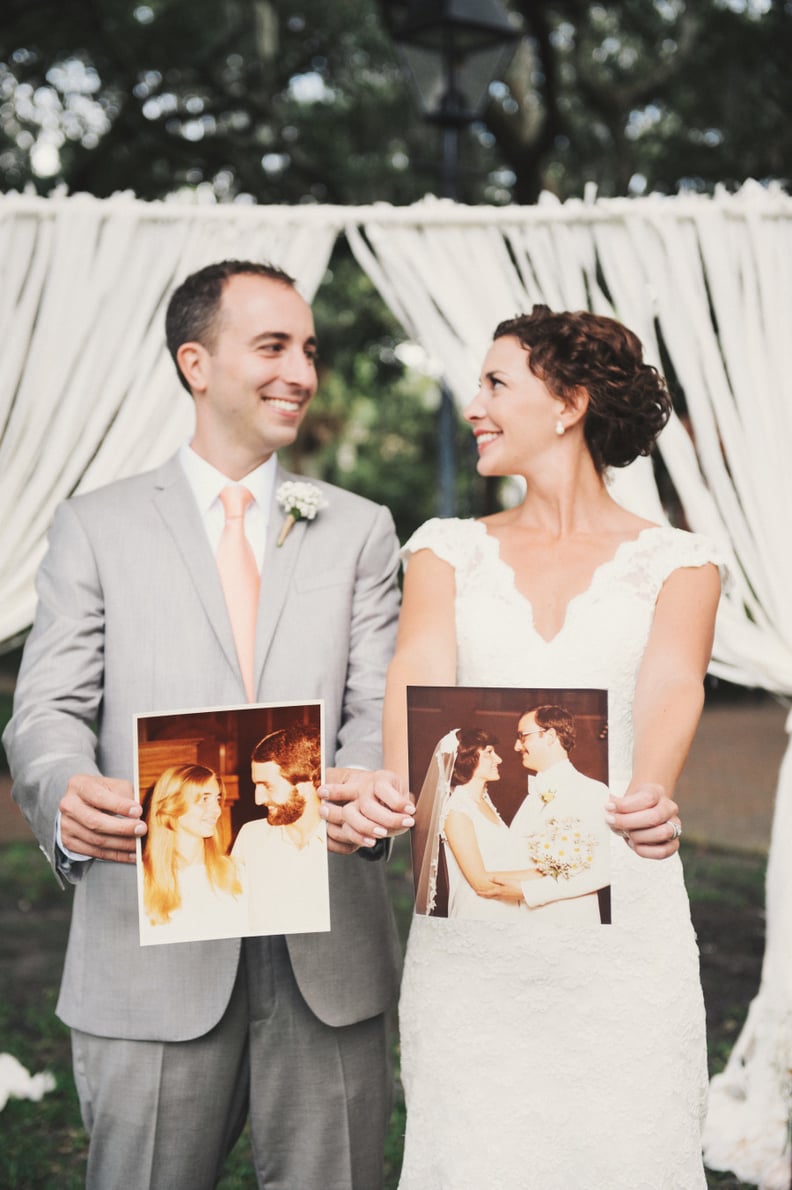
(628, 400)
(296, 749)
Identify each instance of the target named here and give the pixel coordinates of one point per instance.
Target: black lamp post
(450, 50)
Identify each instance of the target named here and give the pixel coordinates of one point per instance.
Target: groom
(171, 1043)
(545, 738)
(284, 852)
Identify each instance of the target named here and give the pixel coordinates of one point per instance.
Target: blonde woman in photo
(191, 888)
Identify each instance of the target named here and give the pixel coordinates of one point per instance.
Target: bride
(570, 1057)
(455, 808)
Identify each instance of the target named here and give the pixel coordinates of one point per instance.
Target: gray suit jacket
(131, 619)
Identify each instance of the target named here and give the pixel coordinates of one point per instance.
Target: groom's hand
(100, 818)
(360, 807)
(648, 819)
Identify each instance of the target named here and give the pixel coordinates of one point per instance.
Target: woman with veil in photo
(454, 807)
(191, 888)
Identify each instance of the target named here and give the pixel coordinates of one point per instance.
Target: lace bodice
(520, 1049)
(603, 637)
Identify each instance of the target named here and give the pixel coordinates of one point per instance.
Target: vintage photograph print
(510, 820)
(235, 844)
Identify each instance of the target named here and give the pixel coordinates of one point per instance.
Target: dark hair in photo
(628, 400)
(560, 720)
(472, 742)
(193, 309)
(296, 749)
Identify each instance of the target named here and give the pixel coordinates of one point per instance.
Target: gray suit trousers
(319, 1096)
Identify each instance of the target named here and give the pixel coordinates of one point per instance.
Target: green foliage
(637, 96)
(255, 98)
(27, 881)
(293, 102)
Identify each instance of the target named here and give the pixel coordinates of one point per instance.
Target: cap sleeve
(683, 549)
(444, 536)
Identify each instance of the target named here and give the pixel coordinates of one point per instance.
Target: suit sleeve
(375, 610)
(51, 735)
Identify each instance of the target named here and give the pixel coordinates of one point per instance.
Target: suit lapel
(176, 505)
(276, 576)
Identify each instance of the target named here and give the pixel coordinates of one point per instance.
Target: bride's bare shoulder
(628, 525)
(496, 520)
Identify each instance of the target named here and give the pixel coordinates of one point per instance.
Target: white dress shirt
(287, 885)
(206, 484)
(559, 792)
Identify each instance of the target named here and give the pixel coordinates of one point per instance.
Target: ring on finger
(676, 832)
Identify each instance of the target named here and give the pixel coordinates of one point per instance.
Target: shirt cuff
(67, 857)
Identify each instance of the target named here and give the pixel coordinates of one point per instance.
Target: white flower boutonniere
(547, 797)
(300, 501)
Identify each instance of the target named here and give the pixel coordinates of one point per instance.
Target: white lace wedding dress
(558, 1059)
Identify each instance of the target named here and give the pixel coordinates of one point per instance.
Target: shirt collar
(544, 780)
(206, 482)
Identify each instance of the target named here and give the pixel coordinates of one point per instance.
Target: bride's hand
(360, 807)
(648, 819)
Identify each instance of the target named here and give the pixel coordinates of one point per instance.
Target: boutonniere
(547, 797)
(300, 501)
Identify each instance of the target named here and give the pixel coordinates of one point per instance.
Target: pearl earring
(560, 428)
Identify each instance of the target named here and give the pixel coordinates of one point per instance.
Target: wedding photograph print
(510, 818)
(235, 844)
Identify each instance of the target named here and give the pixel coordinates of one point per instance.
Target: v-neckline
(600, 569)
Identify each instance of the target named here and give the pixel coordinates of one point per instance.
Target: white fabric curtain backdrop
(87, 393)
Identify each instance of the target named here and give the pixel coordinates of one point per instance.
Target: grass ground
(43, 1143)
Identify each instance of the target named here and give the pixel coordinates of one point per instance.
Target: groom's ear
(193, 361)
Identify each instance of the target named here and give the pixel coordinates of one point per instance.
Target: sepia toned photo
(235, 845)
(510, 820)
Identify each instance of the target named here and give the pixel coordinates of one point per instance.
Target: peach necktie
(239, 578)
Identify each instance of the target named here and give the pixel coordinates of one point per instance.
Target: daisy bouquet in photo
(562, 850)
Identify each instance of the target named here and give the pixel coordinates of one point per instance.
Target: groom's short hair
(192, 313)
(560, 720)
(296, 749)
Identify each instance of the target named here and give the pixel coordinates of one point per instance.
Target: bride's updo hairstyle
(628, 400)
(472, 742)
